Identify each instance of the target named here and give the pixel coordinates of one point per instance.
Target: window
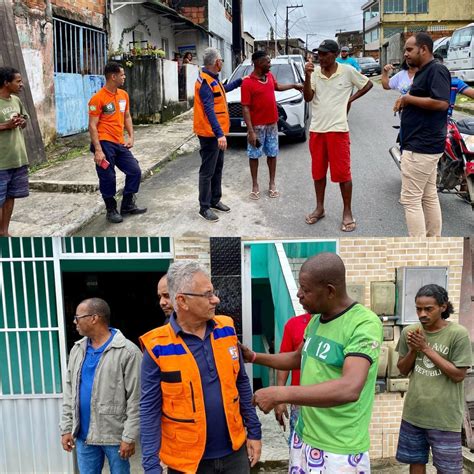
(417, 6)
(372, 12)
(393, 6)
(462, 38)
(391, 31)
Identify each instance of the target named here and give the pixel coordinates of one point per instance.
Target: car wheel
(303, 136)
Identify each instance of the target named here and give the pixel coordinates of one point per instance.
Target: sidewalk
(64, 197)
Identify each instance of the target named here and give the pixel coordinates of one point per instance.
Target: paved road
(171, 195)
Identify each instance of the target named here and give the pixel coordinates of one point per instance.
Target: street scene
(236, 236)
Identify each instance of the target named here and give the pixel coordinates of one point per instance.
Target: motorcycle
(456, 166)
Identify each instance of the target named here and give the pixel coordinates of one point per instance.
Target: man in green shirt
(13, 158)
(437, 353)
(338, 360)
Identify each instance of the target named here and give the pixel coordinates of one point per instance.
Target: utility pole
(289, 9)
(237, 31)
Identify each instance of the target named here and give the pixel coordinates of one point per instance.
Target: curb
(68, 231)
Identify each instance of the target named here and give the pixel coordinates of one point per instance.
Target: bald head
(326, 268)
(164, 296)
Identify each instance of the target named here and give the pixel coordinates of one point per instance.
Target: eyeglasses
(77, 317)
(207, 294)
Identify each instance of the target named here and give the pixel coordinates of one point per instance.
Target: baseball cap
(345, 48)
(328, 46)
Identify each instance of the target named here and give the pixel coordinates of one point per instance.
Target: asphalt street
(171, 194)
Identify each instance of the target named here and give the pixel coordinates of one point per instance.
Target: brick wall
(191, 248)
(195, 14)
(375, 259)
(88, 12)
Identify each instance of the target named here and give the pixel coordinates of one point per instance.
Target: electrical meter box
(409, 281)
(356, 292)
(382, 297)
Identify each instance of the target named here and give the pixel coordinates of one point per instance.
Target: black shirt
(422, 130)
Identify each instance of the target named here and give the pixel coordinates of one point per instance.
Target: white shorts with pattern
(305, 459)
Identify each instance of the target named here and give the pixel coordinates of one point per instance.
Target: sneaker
(220, 207)
(113, 216)
(208, 215)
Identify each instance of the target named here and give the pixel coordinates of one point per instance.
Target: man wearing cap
(329, 88)
(344, 58)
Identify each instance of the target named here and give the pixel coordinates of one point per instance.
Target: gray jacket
(115, 398)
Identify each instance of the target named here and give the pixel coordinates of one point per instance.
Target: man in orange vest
(211, 124)
(196, 413)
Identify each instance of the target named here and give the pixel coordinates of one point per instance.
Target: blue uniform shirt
(457, 86)
(218, 443)
(89, 366)
(349, 61)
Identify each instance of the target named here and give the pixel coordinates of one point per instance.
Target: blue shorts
(13, 183)
(267, 135)
(414, 446)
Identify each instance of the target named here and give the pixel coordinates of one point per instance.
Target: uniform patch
(122, 105)
(92, 108)
(234, 352)
(108, 108)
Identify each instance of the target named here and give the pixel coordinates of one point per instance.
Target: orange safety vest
(183, 421)
(202, 126)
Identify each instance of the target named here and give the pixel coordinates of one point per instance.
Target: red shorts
(331, 149)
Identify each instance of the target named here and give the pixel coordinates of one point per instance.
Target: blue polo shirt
(89, 366)
(218, 443)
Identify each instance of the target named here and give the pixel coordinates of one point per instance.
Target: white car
(294, 113)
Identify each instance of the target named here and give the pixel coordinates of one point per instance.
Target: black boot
(129, 207)
(112, 215)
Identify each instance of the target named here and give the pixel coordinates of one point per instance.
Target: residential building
(385, 18)
(352, 39)
(249, 44)
(275, 47)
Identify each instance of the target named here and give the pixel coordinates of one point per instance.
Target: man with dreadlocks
(437, 352)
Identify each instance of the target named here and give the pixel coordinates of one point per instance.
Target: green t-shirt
(429, 387)
(341, 429)
(12, 142)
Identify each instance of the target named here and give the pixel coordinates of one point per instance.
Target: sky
(319, 18)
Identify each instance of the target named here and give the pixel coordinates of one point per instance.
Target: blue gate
(79, 59)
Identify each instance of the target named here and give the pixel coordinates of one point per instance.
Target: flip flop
(311, 219)
(348, 227)
(273, 193)
(254, 195)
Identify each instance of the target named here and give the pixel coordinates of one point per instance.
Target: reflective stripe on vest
(183, 420)
(202, 126)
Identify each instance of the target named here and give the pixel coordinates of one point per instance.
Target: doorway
(132, 297)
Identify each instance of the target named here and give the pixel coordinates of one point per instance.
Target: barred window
(393, 6)
(417, 6)
(391, 31)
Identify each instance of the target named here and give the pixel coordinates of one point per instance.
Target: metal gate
(80, 55)
(32, 357)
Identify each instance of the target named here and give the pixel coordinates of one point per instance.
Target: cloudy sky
(321, 18)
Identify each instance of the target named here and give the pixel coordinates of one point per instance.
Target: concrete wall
(170, 82)
(192, 73)
(157, 28)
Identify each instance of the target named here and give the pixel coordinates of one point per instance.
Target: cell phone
(104, 164)
(258, 144)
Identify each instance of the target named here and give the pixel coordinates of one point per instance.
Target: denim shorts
(13, 183)
(414, 445)
(267, 135)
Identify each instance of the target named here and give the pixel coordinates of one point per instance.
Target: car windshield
(366, 60)
(283, 73)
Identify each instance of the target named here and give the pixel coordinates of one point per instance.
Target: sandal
(254, 195)
(311, 219)
(273, 193)
(349, 227)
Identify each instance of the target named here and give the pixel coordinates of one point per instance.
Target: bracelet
(254, 356)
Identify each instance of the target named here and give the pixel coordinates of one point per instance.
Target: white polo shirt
(331, 96)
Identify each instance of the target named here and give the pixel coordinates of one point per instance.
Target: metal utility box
(397, 385)
(409, 281)
(382, 297)
(356, 292)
